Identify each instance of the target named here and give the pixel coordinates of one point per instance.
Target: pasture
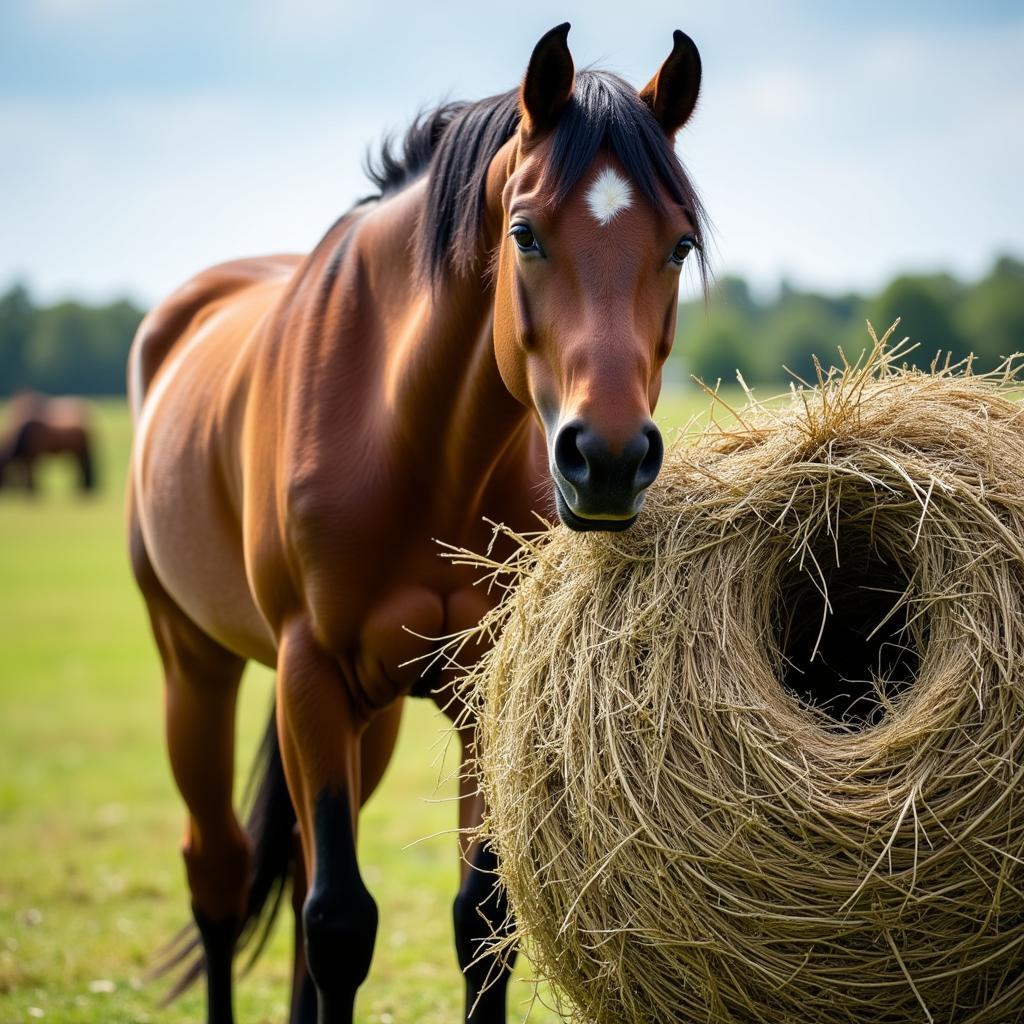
(91, 883)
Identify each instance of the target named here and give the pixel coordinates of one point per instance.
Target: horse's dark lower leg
(481, 914)
(86, 470)
(216, 851)
(375, 748)
(303, 1002)
(303, 1008)
(340, 916)
(321, 730)
(219, 938)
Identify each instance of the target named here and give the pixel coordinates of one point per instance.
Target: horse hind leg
(86, 468)
(201, 680)
(202, 685)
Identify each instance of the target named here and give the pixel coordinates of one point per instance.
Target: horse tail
(270, 825)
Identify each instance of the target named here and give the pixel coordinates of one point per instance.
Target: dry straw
(684, 837)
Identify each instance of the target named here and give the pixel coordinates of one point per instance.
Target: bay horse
(40, 426)
(482, 338)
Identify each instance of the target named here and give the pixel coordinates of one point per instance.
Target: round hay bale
(759, 758)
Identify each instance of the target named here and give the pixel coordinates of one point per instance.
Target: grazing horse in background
(37, 426)
(484, 338)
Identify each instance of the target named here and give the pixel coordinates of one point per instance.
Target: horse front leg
(481, 911)
(302, 1009)
(376, 748)
(320, 730)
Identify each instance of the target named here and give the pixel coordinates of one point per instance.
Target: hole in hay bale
(843, 629)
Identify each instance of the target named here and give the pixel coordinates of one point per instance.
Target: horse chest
(378, 593)
(385, 645)
(399, 636)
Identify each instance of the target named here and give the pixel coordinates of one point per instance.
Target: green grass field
(91, 882)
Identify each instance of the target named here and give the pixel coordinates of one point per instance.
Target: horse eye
(683, 249)
(524, 238)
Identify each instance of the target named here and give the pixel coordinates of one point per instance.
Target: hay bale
(759, 759)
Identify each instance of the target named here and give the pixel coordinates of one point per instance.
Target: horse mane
(455, 143)
(396, 164)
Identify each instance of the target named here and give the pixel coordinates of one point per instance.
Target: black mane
(394, 168)
(455, 143)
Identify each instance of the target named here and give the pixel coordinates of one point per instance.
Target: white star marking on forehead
(608, 195)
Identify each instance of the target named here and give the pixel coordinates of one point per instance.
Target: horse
(38, 426)
(483, 338)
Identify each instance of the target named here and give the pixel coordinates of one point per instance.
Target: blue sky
(835, 143)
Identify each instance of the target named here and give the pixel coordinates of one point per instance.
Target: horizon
(763, 295)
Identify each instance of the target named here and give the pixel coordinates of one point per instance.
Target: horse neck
(433, 386)
(481, 428)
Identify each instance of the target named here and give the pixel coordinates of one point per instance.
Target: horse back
(170, 321)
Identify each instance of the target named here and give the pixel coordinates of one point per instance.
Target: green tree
(715, 344)
(83, 349)
(798, 328)
(991, 315)
(926, 308)
(17, 320)
(59, 356)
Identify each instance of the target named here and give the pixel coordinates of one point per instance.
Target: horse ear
(672, 92)
(547, 87)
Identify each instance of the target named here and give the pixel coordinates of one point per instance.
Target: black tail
(270, 824)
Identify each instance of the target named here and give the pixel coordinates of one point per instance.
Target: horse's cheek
(510, 349)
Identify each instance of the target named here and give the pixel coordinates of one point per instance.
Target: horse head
(598, 218)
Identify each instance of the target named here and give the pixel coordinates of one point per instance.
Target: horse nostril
(650, 464)
(569, 459)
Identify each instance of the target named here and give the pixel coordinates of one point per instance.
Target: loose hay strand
(681, 836)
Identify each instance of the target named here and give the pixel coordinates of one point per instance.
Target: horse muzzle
(598, 486)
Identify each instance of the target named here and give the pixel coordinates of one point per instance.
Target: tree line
(64, 348)
(735, 330)
(74, 347)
